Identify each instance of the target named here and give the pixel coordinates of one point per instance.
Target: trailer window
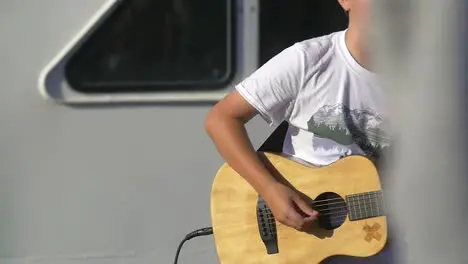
(164, 45)
(282, 23)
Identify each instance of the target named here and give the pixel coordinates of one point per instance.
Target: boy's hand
(289, 208)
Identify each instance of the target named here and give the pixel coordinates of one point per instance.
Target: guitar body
(243, 226)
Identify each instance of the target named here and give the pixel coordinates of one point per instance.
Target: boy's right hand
(289, 208)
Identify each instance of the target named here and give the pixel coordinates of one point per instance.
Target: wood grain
(233, 214)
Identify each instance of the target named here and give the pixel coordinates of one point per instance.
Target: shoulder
(302, 56)
(318, 49)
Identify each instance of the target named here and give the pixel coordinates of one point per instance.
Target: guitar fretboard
(365, 205)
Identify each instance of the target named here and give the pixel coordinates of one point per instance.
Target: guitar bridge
(267, 226)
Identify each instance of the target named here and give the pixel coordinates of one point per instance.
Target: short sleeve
(273, 87)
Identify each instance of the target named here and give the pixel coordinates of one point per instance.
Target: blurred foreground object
(421, 51)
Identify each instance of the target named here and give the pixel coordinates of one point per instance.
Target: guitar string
(352, 204)
(280, 226)
(359, 196)
(344, 202)
(356, 198)
(335, 208)
(335, 222)
(335, 214)
(334, 217)
(366, 199)
(339, 202)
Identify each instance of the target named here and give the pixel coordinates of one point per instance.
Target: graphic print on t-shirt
(345, 126)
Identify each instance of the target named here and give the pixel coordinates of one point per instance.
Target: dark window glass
(163, 45)
(282, 23)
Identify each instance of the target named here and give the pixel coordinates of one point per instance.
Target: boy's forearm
(230, 138)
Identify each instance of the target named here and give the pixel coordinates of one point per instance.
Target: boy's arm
(225, 124)
(270, 91)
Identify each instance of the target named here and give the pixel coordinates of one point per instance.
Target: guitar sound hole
(332, 210)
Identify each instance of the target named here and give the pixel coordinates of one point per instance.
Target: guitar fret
(358, 206)
(360, 209)
(378, 204)
(364, 200)
(371, 204)
(365, 205)
(354, 205)
(374, 205)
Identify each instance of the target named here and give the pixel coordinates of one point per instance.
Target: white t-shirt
(333, 105)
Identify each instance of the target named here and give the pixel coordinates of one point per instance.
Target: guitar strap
(274, 142)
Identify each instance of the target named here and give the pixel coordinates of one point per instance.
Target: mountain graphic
(345, 126)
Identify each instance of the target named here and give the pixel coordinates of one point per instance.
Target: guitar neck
(365, 205)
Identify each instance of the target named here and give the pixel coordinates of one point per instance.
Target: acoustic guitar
(347, 194)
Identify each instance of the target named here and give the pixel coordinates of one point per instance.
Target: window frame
(54, 86)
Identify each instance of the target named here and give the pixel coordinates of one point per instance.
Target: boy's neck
(355, 42)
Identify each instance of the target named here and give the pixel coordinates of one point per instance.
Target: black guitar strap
(274, 143)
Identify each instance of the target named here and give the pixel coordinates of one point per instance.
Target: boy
(333, 103)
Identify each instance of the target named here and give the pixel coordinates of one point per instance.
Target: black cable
(200, 232)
